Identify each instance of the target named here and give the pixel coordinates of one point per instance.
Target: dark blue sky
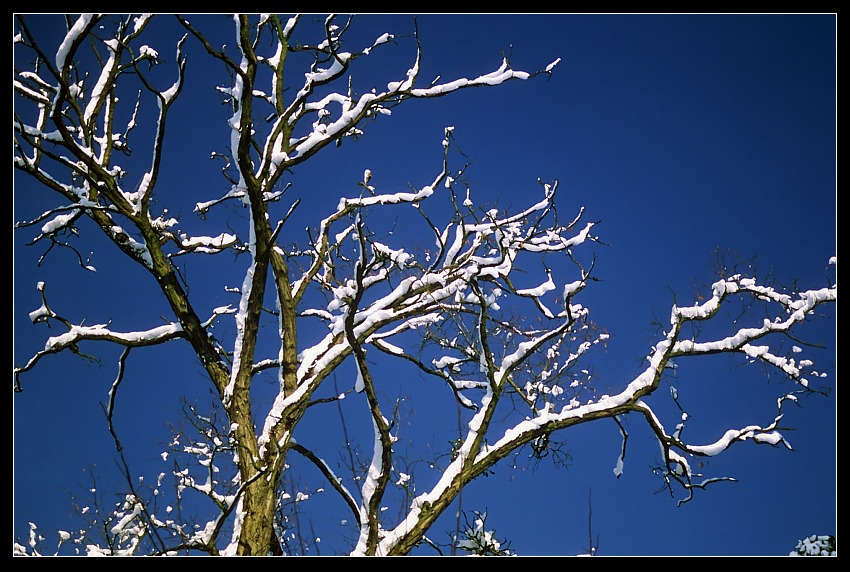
(685, 136)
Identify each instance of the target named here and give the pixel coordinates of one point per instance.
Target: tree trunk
(258, 523)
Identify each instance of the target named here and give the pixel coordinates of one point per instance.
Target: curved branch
(99, 332)
(332, 479)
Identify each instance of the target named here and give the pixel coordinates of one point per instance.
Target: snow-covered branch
(71, 339)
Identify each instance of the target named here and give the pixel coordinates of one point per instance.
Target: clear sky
(685, 136)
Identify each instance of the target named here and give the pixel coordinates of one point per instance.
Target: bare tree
(509, 356)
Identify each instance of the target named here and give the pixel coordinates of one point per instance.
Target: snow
(72, 35)
(547, 286)
(101, 332)
(494, 78)
(322, 75)
(138, 23)
(127, 519)
(475, 254)
(392, 199)
(39, 314)
(816, 545)
(102, 81)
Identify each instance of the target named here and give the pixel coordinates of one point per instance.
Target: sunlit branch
(378, 475)
(100, 332)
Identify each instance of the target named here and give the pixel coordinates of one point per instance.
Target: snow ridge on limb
(76, 334)
(466, 273)
(788, 311)
(420, 296)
